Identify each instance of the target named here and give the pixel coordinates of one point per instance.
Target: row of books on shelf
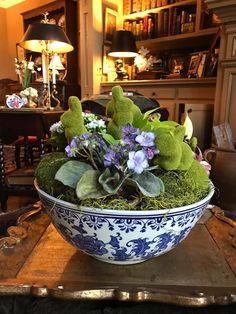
(167, 22)
(133, 6)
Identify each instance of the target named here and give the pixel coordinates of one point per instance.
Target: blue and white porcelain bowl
(122, 237)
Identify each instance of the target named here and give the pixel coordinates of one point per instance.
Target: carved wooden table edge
(195, 296)
(176, 295)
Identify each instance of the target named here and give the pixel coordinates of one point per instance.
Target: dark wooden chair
(15, 123)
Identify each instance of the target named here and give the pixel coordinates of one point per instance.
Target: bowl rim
(78, 208)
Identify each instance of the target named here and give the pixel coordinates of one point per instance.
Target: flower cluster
(24, 69)
(91, 121)
(93, 124)
(133, 152)
(29, 92)
(104, 166)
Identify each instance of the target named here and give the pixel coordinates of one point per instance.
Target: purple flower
(71, 149)
(137, 161)
(129, 134)
(83, 139)
(112, 157)
(146, 139)
(150, 152)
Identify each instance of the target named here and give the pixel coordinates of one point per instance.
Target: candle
(53, 75)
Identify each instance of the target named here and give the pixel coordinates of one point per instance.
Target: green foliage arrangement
(132, 163)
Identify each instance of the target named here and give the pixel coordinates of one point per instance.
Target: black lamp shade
(43, 36)
(123, 45)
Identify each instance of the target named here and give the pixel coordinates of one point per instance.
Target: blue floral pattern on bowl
(122, 237)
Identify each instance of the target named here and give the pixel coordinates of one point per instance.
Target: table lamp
(47, 39)
(123, 46)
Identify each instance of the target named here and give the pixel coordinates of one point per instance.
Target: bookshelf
(172, 25)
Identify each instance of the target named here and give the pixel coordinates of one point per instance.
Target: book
(160, 24)
(165, 22)
(23, 176)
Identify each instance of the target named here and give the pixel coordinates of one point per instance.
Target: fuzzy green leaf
(89, 187)
(71, 172)
(148, 184)
(110, 183)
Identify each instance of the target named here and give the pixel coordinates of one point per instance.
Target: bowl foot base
(119, 262)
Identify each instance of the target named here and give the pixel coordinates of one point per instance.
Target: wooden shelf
(182, 81)
(141, 14)
(179, 40)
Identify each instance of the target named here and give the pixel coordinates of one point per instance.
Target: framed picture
(202, 64)
(211, 67)
(193, 64)
(107, 62)
(20, 53)
(110, 24)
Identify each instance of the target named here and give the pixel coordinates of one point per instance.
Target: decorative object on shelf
(24, 70)
(62, 22)
(110, 24)
(193, 64)
(123, 46)
(144, 60)
(31, 94)
(128, 193)
(14, 101)
(149, 67)
(47, 39)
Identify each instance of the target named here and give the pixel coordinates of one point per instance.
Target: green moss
(121, 110)
(46, 170)
(72, 119)
(181, 188)
(174, 153)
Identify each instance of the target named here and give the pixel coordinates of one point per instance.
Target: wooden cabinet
(64, 14)
(225, 100)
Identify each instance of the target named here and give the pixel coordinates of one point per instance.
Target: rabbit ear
(179, 132)
(117, 92)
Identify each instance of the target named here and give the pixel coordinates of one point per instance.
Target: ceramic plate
(14, 101)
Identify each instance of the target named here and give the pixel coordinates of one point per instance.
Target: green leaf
(147, 113)
(110, 183)
(148, 184)
(140, 122)
(89, 187)
(109, 138)
(71, 172)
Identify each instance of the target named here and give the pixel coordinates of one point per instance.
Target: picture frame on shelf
(110, 24)
(20, 53)
(211, 67)
(202, 64)
(194, 64)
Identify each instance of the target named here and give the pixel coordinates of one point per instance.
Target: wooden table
(199, 272)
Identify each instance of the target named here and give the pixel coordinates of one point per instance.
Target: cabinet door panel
(202, 119)
(196, 93)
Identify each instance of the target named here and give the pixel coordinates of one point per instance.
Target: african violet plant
(131, 162)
